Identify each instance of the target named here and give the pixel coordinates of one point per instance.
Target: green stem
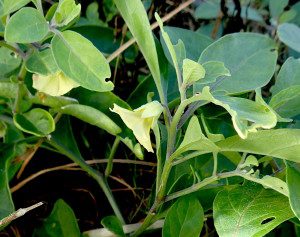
(20, 92)
(113, 150)
(215, 155)
(39, 6)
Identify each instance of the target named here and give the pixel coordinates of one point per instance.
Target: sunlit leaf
(80, 60)
(249, 210)
(26, 26)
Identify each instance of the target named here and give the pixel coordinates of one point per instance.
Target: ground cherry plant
(219, 115)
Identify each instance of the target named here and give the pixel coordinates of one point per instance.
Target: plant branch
(114, 148)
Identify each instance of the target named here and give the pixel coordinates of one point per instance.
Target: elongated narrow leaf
(80, 60)
(279, 143)
(184, 219)
(289, 34)
(243, 112)
(61, 222)
(293, 182)
(249, 210)
(7, 206)
(135, 16)
(91, 116)
(26, 26)
(250, 68)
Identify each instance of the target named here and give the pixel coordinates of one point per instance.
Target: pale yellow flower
(141, 120)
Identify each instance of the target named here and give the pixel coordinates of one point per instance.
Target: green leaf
(9, 61)
(52, 101)
(92, 116)
(170, 46)
(250, 68)
(293, 179)
(243, 111)
(26, 26)
(192, 71)
(105, 40)
(194, 42)
(249, 210)
(288, 75)
(276, 7)
(214, 70)
(184, 219)
(7, 205)
(8, 6)
(285, 92)
(42, 63)
(287, 102)
(195, 140)
(279, 143)
(61, 222)
(289, 34)
(80, 60)
(113, 224)
(37, 122)
(66, 11)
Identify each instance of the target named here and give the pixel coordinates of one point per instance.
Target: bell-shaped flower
(141, 120)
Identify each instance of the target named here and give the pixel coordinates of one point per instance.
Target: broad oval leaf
(289, 34)
(184, 219)
(81, 61)
(279, 143)
(286, 91)
(37, 122)
(293, 179)
(61, 222)
(26, 26)
(213, 70)
(8, 6)
(92, 116)
(250, 68)
(249, 210)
